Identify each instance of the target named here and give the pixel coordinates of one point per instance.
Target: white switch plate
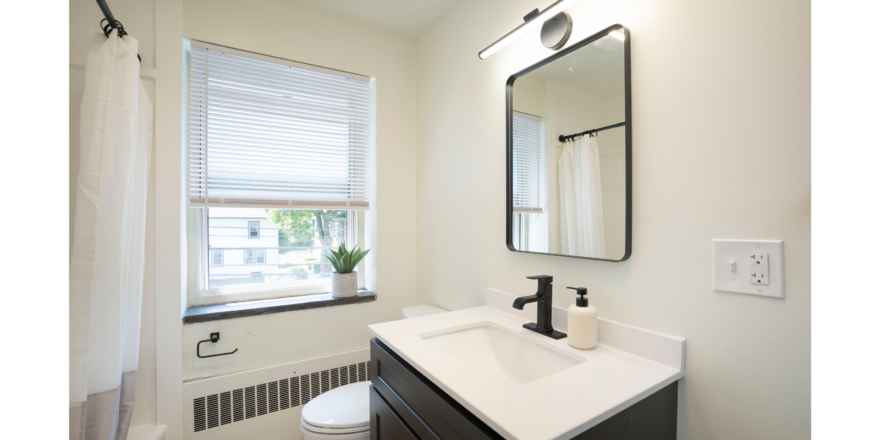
(738, 251)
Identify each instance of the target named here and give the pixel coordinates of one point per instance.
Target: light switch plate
(740, 252)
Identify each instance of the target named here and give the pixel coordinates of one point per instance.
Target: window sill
(218, 312)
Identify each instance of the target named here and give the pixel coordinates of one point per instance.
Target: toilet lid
(344, 407)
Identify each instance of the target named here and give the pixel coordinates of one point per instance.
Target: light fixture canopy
(532, 21)
(556, 30)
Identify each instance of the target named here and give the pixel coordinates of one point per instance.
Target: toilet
(344, 413)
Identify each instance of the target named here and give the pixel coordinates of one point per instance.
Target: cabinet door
(384, 422)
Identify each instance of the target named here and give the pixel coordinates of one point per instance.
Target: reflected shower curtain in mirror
(107, 258)
(581, 225)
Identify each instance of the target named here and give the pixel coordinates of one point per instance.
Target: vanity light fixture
(533, 19)
(617, 34)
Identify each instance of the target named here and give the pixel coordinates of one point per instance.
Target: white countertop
(554, 407)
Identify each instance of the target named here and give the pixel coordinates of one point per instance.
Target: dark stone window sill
(217, 312)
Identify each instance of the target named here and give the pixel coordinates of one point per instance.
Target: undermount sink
(498, 355)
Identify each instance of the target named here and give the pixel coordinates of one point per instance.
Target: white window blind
(528, 163)
(272, 133)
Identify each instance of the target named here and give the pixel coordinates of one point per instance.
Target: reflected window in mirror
(530, 186)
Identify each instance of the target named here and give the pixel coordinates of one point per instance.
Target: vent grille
(285, 394)
(199, 414)
(294, 392)
(261, 399)
(306, 391)
(257, 400)
(250, 401)
(334, 378)
(225, 408)
(238, 405)
(213, 412)
(316, 385)
(343, 375)
(273, 396)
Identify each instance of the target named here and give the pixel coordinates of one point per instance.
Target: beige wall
(282, 29)
(529, 96)
(138, 19)
(721, 150)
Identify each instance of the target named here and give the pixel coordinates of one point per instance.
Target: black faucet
(544, 298)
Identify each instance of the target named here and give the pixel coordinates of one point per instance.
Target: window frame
(200, 295)
(198, 257)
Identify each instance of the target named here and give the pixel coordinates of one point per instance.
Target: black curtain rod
(595, 130)
(112, 23)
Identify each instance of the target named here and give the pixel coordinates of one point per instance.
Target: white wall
(529, 96)
(282, 29)
(612, 169)
(138, 18)
(721, 117)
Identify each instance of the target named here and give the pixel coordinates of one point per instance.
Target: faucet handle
(542, 279)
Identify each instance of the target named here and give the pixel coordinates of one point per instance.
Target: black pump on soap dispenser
(582, 301)
(583, 322)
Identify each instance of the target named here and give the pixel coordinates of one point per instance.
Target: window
(528, 163)
(216, 258)
(295, 243)
(253, 229)
(278, 152)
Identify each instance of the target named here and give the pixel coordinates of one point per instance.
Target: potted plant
(344, 261)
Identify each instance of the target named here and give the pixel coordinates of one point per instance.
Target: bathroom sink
(495, 354)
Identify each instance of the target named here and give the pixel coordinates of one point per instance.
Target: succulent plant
(344, 260)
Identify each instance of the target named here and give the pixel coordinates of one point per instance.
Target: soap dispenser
(583, 322)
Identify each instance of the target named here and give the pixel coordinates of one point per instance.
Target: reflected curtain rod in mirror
(574, 200)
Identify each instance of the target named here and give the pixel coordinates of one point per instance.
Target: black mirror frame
(628, 128)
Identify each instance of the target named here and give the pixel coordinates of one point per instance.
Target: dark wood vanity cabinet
(404, 404)
(384, 422)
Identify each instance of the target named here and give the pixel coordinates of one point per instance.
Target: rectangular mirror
(569, 152)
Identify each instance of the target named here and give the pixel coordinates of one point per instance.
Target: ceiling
(403, 17)
(596, 68)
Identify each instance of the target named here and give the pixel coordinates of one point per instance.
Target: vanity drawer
(427, 409)
(384, 422)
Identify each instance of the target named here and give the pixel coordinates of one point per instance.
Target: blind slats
(528, 164)
(265, 134)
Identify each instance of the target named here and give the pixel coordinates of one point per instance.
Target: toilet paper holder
(214, 338)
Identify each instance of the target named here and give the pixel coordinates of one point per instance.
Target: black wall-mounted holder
(214, 338)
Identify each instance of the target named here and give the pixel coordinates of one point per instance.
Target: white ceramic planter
(344, 284)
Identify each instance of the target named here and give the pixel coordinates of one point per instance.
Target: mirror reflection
(569, 152)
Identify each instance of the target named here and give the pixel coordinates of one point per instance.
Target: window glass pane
(288, 247)
(253, 229)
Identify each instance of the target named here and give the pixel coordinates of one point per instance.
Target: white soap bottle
(583, 322)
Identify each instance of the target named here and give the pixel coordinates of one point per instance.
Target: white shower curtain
(107, 260)
(581, 224)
